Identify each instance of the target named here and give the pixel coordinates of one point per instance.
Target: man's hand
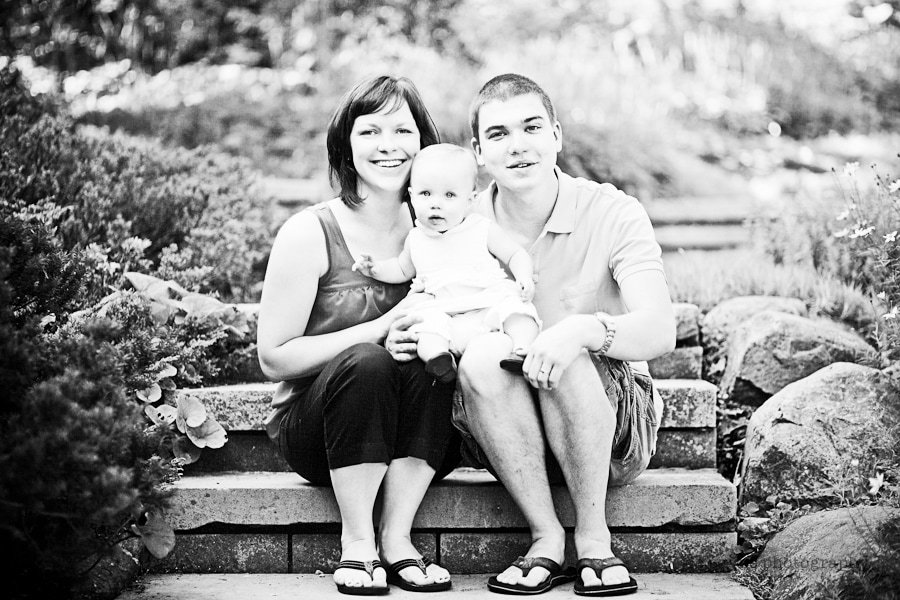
(526, 286)
(365, 265)
(551, 353)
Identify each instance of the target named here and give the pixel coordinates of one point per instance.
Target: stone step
(701, 237)
(459, 552)
(699, 211)
(468, 587)
(688, 403)
(253, 451)
(466, 499)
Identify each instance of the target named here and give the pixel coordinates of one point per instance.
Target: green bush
(138, 202)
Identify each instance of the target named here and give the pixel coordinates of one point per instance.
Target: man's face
(517, 142)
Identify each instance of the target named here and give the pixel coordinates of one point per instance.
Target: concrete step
(693, 448)
(466, 499)
(701, 237)
(459, 552)
(688, 403)
(699, 211)
(468, 587)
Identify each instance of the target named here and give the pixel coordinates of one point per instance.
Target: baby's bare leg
(522, 329)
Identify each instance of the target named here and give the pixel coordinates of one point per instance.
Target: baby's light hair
(443, 153)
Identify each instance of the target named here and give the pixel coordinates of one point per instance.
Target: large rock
(824, 551)
(772, 349)
(801, 443)
(717, 325)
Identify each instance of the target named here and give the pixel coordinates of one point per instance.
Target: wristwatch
(610, 327)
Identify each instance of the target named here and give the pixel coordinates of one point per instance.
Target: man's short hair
(446, 152)
(503, 87)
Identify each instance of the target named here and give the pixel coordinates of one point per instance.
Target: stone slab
(701, 237)
(490, 552)
(685, 448)
(681, 363)
(313, 552)
(253, 451)
(468, 498)
(227, 553)
(687, 324)
(657, 586)
(244, 407)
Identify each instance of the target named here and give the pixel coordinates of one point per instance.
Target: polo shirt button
(535, 277)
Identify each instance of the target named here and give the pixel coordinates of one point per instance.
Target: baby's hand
(417, 286)
(365, 265)
(527, 288)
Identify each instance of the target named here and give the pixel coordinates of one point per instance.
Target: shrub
(135, 200)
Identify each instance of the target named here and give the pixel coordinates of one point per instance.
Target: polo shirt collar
(562, 218)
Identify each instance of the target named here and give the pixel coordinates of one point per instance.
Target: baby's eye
(424, 193)
(451, 195)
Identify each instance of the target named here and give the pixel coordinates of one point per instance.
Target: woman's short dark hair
(367, 97)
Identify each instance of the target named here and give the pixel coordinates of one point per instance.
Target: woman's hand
(400, 341)
(552, 352)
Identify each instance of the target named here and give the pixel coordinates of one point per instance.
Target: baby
(453, 256)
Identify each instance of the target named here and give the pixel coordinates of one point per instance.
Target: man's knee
(580, 387)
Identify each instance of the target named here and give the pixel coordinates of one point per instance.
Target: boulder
(772, 349)
(802, 442)
(830, 550)
(717, 325)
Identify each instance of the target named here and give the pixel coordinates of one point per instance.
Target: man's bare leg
(505, 421)
(580, 424)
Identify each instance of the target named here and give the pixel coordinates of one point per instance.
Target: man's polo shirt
(595, 237)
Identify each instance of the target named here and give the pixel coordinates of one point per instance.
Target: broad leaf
(185, 449)
(191, 412)
(203, 306)
(167, 371)
(153, 414)
(208, 435)
(157, 535)
(167, 413)
(151, 394)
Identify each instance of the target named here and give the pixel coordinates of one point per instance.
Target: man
(602, 294)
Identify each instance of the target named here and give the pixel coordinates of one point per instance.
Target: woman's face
(384, 144)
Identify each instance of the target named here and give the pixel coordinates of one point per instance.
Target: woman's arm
(297, 261)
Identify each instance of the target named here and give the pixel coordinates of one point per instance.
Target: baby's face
(442, 193)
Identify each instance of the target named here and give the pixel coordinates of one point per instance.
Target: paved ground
(467, 587)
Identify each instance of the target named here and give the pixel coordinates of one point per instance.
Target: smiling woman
(346, 413)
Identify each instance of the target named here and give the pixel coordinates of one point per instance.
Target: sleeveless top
(344, 298)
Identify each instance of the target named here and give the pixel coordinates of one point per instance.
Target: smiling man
(585, 413)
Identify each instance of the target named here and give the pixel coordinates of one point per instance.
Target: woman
(346, 413)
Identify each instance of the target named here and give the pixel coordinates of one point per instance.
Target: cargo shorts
(638, 407)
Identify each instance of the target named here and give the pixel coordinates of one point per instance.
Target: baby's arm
(515, 257)
(391, 270)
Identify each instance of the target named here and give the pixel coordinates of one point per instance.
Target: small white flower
(881, 295)
(844, 215)
(894, 186)
(850, 168)
(854, 463)
(842, 233)
(893, 314)
(891, 237)
(861, 232)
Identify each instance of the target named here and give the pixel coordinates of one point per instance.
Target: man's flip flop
(558, 575)
(598, 565)
(369, 567)
(394, 577)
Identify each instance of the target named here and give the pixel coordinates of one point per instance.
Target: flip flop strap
(598, 565)
(526, 563)
(368, 566)
(421, 563)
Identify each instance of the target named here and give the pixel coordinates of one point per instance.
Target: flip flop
(394, 577)
(369, 567)
(598, 565)
(558, 575)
